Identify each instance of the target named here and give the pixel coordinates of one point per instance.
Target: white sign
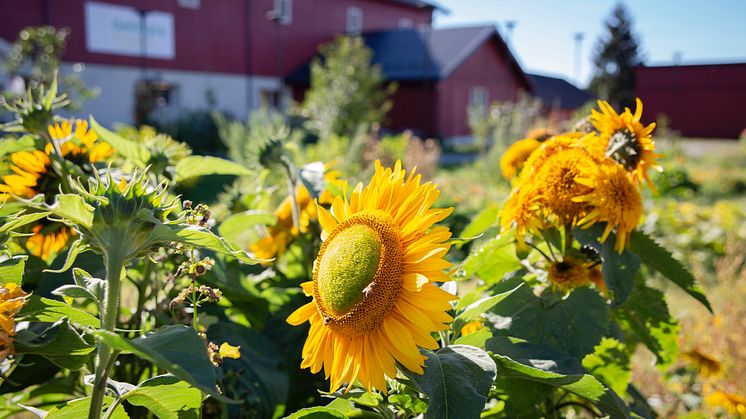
(114, 29)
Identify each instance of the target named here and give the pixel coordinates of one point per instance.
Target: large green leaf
(543, 365)
(481, 222)
(317, 413)
(240, 228)
(492, 260)
(196, 166)
(660, 259)
(78, 408)
(474, 310)
(573, 325)
(610, 364)
(12, 145)
(618, 270)
(40, 309)
(59, 343)
(645, 319)
(73, 208)
(457, 379)
(132, 150)
(261, 385)
(177, 349)
(167, 397)
(19, 220)
(11, 270)
(199, 237)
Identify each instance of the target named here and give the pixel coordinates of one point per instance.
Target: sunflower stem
(114, 262)
(568, 240)
(295, 210)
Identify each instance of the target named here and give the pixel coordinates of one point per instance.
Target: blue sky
(700, 30)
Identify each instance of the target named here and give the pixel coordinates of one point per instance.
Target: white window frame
(354, 23)
(284, 11)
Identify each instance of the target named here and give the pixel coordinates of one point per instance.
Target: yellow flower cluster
(12, 298)
(574, 179)
(732, 403)
(284, 231)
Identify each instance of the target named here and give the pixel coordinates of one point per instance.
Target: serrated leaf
(474, 310)
(199, 237)
(492, 260)
(661, 260)
(167, 397)
(573, 325)
(177, 349)
(618, 270)
(610, 363)
(11, 270)
(59, 343)
(317, 413)
(78, 408)
(72, 208)
(482, 221)
(239, 228)
(132, 150)
(457, 379)
(40, 309)
(197, 166)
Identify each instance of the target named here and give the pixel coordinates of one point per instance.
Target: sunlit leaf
(492, 260)
(11, 270)
(40, 309)
(197, 166)
(198, 237)
(167, 397)
(132, 150)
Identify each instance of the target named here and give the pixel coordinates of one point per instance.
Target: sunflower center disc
(349, 264)
(357, 275)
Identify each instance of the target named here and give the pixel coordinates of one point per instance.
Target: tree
(346, 90)
(617, 53)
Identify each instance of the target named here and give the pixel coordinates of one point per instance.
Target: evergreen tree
(617, 53)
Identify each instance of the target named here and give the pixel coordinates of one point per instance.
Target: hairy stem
(114, 265)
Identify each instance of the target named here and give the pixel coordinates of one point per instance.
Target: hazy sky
(700, 30)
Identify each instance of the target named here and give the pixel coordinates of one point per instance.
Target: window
(272, 99)
(189, 4)
(283, 12)
(354, 20)
(405, 22)
(479, 98)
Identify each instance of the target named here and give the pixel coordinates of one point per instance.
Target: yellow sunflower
(12, 298)
(623, 138)
(732, 403)
(520, 210)
(540, 134)
(472, 327)
(374, 304)
(512, 160)
(613, 199)
(569, 273)
(84, 143)
(707, 365)
(546, 149)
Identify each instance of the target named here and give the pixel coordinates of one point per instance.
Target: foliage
(615, 57)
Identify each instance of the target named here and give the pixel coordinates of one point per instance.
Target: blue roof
(558, 92)
(421, 54)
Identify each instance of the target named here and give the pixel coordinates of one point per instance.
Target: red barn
(699, 100)
(439, 72)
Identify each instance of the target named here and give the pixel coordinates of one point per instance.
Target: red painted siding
(699, 100)
(486, 67)
(414, 106)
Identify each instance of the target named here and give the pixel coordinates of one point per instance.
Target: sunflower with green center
(374, 302)
(623, 138)
(33, 174)
(613, 199)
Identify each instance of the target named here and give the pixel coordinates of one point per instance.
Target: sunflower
(614, 199)
(83, 144)
(12, 298)
(540, 134)
(732, 403)
(374, 304)
(546, 149)
(512, 160)
(569, 273)
(623, 138)
(521, 210)
(707, 365)
(472, 327)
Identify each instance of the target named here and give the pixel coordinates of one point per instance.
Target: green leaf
(132, 150)
(10, 145)
(59, 343)
(199, 237)
(40, 309)
(239, 228)
(167, 397)
(73, 208)
(618, 270)
(11, 270)
(457, 379)
(610, 363)
(177, 349)
(492, 260)
(660, 259)
(196, 166)
(645, 319)
(17, 221)
(573, 325)
(73, 252)
(78, 408)
(482, 221)
(317, 413)
(95, 286)
(474, 310)
(478, 338)
(74, 291)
